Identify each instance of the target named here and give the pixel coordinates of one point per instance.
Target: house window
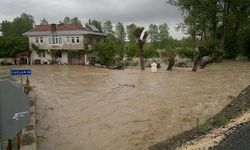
(41, 54)
(60, 40)
(59, 54)
(41, 40)
(50, 40)
(90, 40)
(55, 40)
(77, 40)
(98, 40)
(73, 40)
(68, 40)
(37, 40)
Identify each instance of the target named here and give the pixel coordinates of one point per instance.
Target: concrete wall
(44, 59)
(64, 58)
(48, 58)
(64, 45)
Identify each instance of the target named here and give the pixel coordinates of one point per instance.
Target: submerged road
(98, 109)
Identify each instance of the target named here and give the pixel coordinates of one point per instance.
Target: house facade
(64, 43)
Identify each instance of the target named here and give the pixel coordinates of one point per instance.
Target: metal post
(85, 59)
(21, 82)
(0, 136)
(0, 128)
(0, 144)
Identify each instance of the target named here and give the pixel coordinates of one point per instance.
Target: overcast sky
(140, 12)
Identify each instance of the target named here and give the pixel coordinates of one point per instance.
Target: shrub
(186, 53)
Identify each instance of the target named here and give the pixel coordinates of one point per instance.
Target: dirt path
(98, 109)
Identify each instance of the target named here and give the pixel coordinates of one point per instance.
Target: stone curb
(28, 137)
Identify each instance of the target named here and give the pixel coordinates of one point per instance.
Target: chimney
(53, 27)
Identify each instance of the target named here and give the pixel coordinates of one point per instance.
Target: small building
(64, 43)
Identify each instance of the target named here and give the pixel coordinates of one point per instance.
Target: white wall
(47, 57)
(64, 58)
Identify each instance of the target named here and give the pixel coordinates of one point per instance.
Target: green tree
(150, 51)
(219, 19)
(130, 32)
(163, 35)
(131, 50)
(140, 42)
(43, 22)
(10, 45)
(6, 28)
(106, 51)
(168, 56)
(67, 20)
(108, 27)
(153, 34)
(75, 20)
(244, 41)
(120, 32)
(97, 24)
(18, 26)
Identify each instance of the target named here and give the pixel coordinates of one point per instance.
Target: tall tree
(6, 28)
(130, 32)
(108, 27)
(75, 20)
(106, 51)
(18, 26)
(153, 34)
(220, 19)
(163, 35)
(97, 24)
(67, 20)
(140, 42)
(12, 40)
(120, 32)
(43, 22)
(11, 44)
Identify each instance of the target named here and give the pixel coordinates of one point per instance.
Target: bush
(244, 41)
(186, 53)
(150, 51)
(132, 50)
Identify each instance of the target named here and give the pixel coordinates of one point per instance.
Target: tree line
(121, 37)
(219, 26)
(225, 22)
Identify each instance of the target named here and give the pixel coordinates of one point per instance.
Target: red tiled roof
(59, 27)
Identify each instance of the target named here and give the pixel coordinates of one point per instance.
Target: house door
(75, 58)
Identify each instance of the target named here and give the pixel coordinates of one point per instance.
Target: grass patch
(233, 110)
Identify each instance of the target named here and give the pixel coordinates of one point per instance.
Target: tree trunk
(197, 61)
(171, 62)
(142, 60)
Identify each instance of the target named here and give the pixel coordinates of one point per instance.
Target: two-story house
(64, 43)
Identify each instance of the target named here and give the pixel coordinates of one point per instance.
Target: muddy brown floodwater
(82, 108)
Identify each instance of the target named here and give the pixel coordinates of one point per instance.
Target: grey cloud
(141, 12)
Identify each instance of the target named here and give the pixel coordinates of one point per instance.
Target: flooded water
(98, 109)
